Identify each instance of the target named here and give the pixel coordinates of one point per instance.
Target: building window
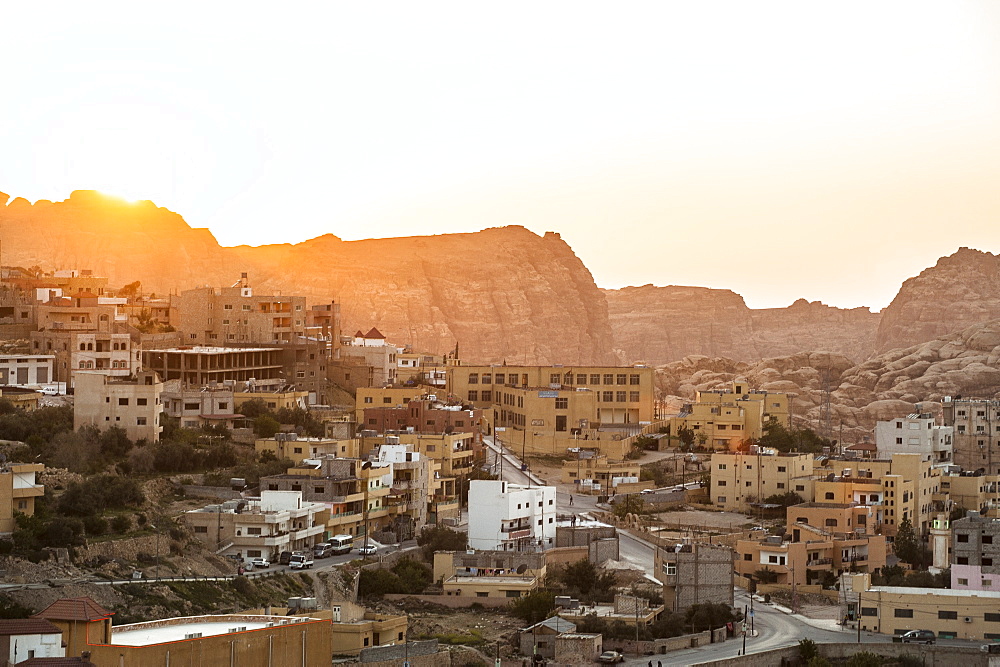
(722, 466)
(122, 401)
(141, 401)
(140, 421)
(829, 495)
(869, 611)
(595, 378)
(620, 396)
(473, 378)
(800, 487)
(621, 378)
(963, 582)
(722, 482)
(562, 403)
(201, 529)
(633, 379)
(670, 569)
(987, 539)
(962, 538)
(947, 615)
(903, 613)
(609, 378)
(368, 399)
(991, 617)
(387, 399)
(721, 499)
(554, 378)
(781, 468)
(633, 397)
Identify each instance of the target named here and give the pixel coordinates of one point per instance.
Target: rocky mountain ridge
(503, 293)
(662, 324)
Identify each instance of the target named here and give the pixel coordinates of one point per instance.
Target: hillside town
(225, 473)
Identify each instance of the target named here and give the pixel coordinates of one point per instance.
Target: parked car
(367, 549)
(990, 648)
(285, 557)
(610, 657)
(917, 637)
(50, 391)
(300, 561)
(260, 562)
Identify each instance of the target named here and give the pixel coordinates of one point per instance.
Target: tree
(629, 504)
(786, 499)
(686, 436)
(583, 578)
(709, 615)
(808, 649)
(265, 426)
(534, 607)
(766, 575)
(441, 538)
(908, 548)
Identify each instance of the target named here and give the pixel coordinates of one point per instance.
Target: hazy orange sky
(780, 149)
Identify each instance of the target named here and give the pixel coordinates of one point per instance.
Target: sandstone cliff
(502, 293)
(662, 324)
(960, 290)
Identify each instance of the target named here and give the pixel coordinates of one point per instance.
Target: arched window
(90, 346)
(83, 346)
(83, 364)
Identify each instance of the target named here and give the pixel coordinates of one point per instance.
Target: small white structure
(27, 638)
(511, 517)
(26, 369)
(915, 434)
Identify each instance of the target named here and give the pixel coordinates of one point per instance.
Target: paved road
(774, 629)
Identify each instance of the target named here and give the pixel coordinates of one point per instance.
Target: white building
(27, 638)
(914, 434)
(26, 369)
(511, 517)
(278, 521)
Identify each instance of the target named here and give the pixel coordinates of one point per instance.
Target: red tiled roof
(358, 334)
(27, 626)
(74, 609)
(374, 333)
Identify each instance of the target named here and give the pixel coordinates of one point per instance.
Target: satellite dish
(522, 568)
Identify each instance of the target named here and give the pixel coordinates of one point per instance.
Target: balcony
(32, 491)
(819, 561)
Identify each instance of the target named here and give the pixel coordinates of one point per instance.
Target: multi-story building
(812, 551)
(385, 397)
(378, 356)
(423, 368)
(422, 415)
(276, 397)
(975, 549)
(970, 491)
(355, 492)
(548, 421)
(18, 489)
(200, 366)
(695, 573)
(278, 521)
(455, 452)
(26, 369)
(511, 517)
(413, 487)
(297, 448)
(742, 480)
(236, 316)
(83, 335)
(725, 419)
(977, 432)
(624, 395)
(599, 469)
(195, 408)
(133, 404)
(914, 434)
(905, 485)
(950, 614)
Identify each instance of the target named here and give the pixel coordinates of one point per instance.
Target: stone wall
(452, 601)
(929, 656)
(393, 655)
(127, 549)
(577, 649)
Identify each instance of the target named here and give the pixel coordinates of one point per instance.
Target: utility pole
(795, 594)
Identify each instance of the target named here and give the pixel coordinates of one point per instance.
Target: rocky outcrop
(960, 290)
(502, 293)
(663, 324)
(889, 385)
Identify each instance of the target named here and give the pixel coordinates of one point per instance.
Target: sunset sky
(779, 149)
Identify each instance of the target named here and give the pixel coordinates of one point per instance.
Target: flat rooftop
(205, 349)
(178, 629)
(956, 592)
